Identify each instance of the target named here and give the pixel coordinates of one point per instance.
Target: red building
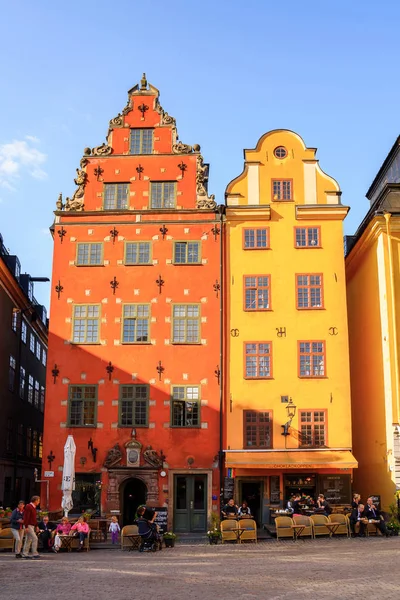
(134, 340)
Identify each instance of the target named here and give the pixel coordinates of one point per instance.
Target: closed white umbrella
(68, 480)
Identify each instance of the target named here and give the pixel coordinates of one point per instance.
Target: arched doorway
(133, 493)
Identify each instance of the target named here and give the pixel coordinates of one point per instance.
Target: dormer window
(141, 141)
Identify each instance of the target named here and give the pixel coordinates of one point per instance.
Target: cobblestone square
(320, 569)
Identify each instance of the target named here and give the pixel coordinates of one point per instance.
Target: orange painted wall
(183, 364)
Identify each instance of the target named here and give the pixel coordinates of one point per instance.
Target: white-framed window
(23, 331)
(38, 350)
(44, 357)
(32, 344)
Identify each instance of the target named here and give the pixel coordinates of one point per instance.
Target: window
(255, 239)
(135, 326)
(35, 444)
(14, 320)
(309, 291)
(312, 359)
(257, 360)
(185, 406)
(23, 331)
(44, 357)
(141, 141)
(42, 394)
(28, 441)
(138, 253)
(282, 189)
(22, 376)
(9, 436)
(116, 196)
(312, 428)
(30, 389)
(307, 237)
(11, 374)
(185, 324)
(38, 350)
(86, 324)
(82, 406)
(89, 254)
(257, 429)
(20, 439)
(32, 343)
(280, 152)
(133, 405)
(186, 253)
(163, 194)
(257, 292)
(37, 394)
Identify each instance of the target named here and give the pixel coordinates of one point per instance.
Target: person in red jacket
(31, 527)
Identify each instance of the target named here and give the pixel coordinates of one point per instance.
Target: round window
(280, 152)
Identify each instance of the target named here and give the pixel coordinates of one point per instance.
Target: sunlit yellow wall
(282, 262)
(373, 337)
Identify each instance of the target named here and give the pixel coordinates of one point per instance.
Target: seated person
(297, 510)
(147, 528)
(289, 504)
(373, 513)
(358, 520)
(244, 510)
(356, 501)
(323, 506)
(46, 529)
(230, 510)
(82, 528)
(63, 528)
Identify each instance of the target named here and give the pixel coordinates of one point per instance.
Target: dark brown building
(23, 357)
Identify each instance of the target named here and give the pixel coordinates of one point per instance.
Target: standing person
(115, 529)
(31, 527)
(46, 529)
(17, 527)
(356, 501)
(82, 528)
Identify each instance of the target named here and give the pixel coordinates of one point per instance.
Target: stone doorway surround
(117, 476)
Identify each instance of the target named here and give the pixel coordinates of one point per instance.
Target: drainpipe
(395, 404)
(221, 210)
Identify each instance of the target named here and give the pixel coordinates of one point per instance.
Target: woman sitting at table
(62, 529)
(244, 510)
(82, 528)
(230, 510)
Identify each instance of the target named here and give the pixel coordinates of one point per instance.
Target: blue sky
(227, 71)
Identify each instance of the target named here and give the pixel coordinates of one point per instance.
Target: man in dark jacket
(374, 514)
(46, 529)
(357, 520)
(17, 521)
(30, 522)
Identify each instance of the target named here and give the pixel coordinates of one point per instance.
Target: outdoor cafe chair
(227, 528)
(319, 523)
(284, 527)
(344, 527)
(251, 529)
(308, 525)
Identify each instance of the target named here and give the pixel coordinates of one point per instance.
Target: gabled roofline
(386, 163)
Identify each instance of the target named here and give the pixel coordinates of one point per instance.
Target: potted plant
(393, 525)
(213, 535)
(8, 511)
(169, 539)
(43, 513)
(2, 513)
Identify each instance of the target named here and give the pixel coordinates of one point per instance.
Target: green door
(190, 503)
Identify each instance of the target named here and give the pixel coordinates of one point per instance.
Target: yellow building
(287, 344)
(373, 296)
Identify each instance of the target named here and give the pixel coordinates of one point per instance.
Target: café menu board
(162, 518)
(336, 488)
(229, 488)
(275, 493)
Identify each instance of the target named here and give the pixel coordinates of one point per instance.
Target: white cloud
(32, 138)
(19, 157)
